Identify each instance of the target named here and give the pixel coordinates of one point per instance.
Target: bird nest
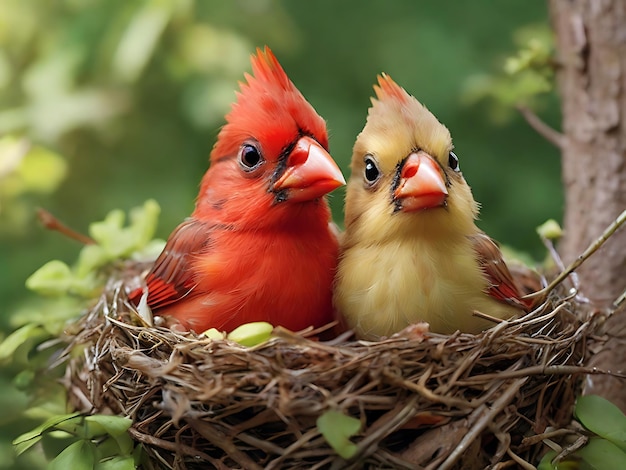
(423, 400)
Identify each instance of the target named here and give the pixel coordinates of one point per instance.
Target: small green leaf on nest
(337, 429)
(251, 334)
(214, 333)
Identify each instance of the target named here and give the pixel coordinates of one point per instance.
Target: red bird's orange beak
(422, 184)
(311, 172)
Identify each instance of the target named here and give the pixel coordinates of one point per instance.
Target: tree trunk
(591, 52)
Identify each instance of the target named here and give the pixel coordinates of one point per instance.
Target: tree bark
(591, 54)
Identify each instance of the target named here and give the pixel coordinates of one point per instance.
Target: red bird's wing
(171, 278)
(501, 283)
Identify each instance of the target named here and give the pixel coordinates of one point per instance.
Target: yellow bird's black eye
(372, 173)
(453, 161)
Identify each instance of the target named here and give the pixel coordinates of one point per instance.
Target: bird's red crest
(269, 109)
(266, 68)
(388, 89)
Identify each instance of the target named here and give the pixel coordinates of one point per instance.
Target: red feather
(170, 279)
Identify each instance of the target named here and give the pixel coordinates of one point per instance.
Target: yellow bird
(411, 251)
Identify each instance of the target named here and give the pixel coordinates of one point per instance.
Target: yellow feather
(398, 268)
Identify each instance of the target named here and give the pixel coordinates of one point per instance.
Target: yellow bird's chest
(392, 285)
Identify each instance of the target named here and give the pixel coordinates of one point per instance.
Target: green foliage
(73, 441)
(56, 278)
(73, 286)
(25, 169)
(337, 428)
(528, 74)
(113, 242)
(607, 446)
(9, 346)
(88, 442)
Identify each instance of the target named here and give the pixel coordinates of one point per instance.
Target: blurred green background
(106, 103)
(121, 101)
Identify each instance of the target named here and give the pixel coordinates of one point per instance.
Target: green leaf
(151, 251)
(139, 455)
(108, 447)
(55, 442)
(550, 229)
(53, 278)
(28, 439)
(24, 379)
(78, 456)
(51, 313)
(74, 426)
(126, 462)
(600, 454)
(113, 241)
(337, 429)
(143, 223)
(214, 333)
(18, 338)
(115, 426)
(603, 418)
(118, 241)
(91, 257)
(108, 233)
(251, 334)
(546, 463)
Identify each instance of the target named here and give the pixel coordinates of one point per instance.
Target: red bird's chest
(284, 279)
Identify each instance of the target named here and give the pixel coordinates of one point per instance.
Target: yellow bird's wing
(501, 284)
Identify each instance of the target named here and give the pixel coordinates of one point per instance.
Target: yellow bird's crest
(388, 89)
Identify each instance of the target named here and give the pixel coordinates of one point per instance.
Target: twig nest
(422, 399)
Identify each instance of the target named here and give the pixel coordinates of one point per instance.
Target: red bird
(259, 245)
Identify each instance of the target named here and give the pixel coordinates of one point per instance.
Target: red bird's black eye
(249, 157)
(453, 161)
(372, 173)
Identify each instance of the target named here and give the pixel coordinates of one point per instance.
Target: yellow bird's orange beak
(311, 172)
(422, 184)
